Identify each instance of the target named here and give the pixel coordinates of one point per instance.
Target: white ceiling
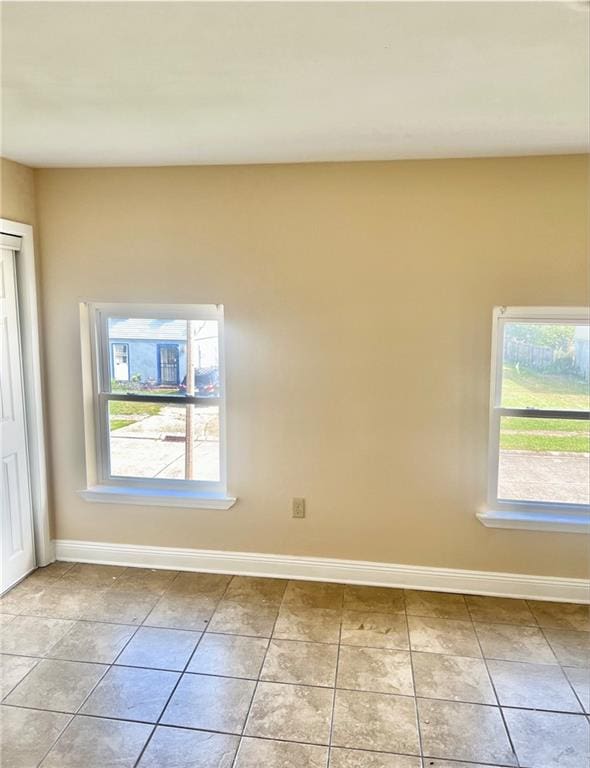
(161, 83)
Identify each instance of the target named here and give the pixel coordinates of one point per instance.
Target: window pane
(151, 356)
(545, 366)
(544, 460)
(148, 440)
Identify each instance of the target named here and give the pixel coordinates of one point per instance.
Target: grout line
(331, 732)
(491, 679)
(417, 714)
(242, 736)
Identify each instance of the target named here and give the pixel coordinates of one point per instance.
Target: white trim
(328, 569)
(101, 484)
(556, 522)
(33, 384)
(527, 515)
(155, 497)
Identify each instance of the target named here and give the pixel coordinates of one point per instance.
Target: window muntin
(539, 428)
(155, 428)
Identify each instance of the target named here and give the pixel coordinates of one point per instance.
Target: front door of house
(121, 361)
(16, 514)
(168, 367)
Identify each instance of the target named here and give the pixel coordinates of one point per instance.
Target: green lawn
(524, 388)
(528, 388)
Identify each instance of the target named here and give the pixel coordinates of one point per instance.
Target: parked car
(206, 383)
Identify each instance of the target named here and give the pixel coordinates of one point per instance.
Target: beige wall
(358, 302)
(17, 192)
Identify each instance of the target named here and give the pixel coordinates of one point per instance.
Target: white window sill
(117, 494)
(563, 522)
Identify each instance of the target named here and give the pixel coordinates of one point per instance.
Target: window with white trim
(539, 450)
(154, 376)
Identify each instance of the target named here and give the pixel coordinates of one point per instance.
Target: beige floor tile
(533, 686)
(92, 641)
(182, 612)
(119, 607)
(12, 671)
(291, 712)
(61, 686)
(374, 599)
(292, 661)
(548, 739)
(457, 678)
(460, 731)
(319, 625)
(14, 600)
(131, 694)
(514, 643)
(229, 655)
(90, 575)
(49, 574)
(180, 748)
(92, 742)
(375, 669)
(579, 678)
(159, 648)
(571, 648)
(314, 594)
(32, 636)
(255, 753)
(439, 605)
(6, 618)
(148, 580)
(211, 585)
(353, 758)
(27, 734)
(561, 615)
(375, 630)
(244, 619)
(443, 636)
(499, 610)
(256, 590)
(375, 721)
(210, 703)
(59, 603)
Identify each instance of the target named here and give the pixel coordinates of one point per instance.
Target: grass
(525, 441)
(125, 408)
(522, 388)
(118, 423)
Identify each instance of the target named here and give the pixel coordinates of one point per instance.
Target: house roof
(153, 330)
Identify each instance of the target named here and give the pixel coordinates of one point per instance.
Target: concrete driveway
(155, 446)
(526, 475)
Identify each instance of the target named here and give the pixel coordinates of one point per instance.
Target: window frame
(507, 513)
(102, 485)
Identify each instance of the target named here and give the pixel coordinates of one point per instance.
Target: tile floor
(107, 666)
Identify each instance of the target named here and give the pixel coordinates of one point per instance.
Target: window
(154, 381)
(539, 420)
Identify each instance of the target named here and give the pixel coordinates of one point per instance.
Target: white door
(18, 549)
(121, 362)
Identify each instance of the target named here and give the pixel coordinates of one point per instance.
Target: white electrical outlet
(298, 507)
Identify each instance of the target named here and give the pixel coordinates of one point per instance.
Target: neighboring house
(582, 349)
(155, 350)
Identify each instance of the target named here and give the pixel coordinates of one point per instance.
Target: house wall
(358, 305)
(144, 358)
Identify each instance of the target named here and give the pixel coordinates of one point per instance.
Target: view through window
(541, 412)
(161, 396)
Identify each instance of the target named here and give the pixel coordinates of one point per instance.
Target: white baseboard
(328, 569)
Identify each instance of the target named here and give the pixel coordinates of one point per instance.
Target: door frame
(175, 346)
(28, 310)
